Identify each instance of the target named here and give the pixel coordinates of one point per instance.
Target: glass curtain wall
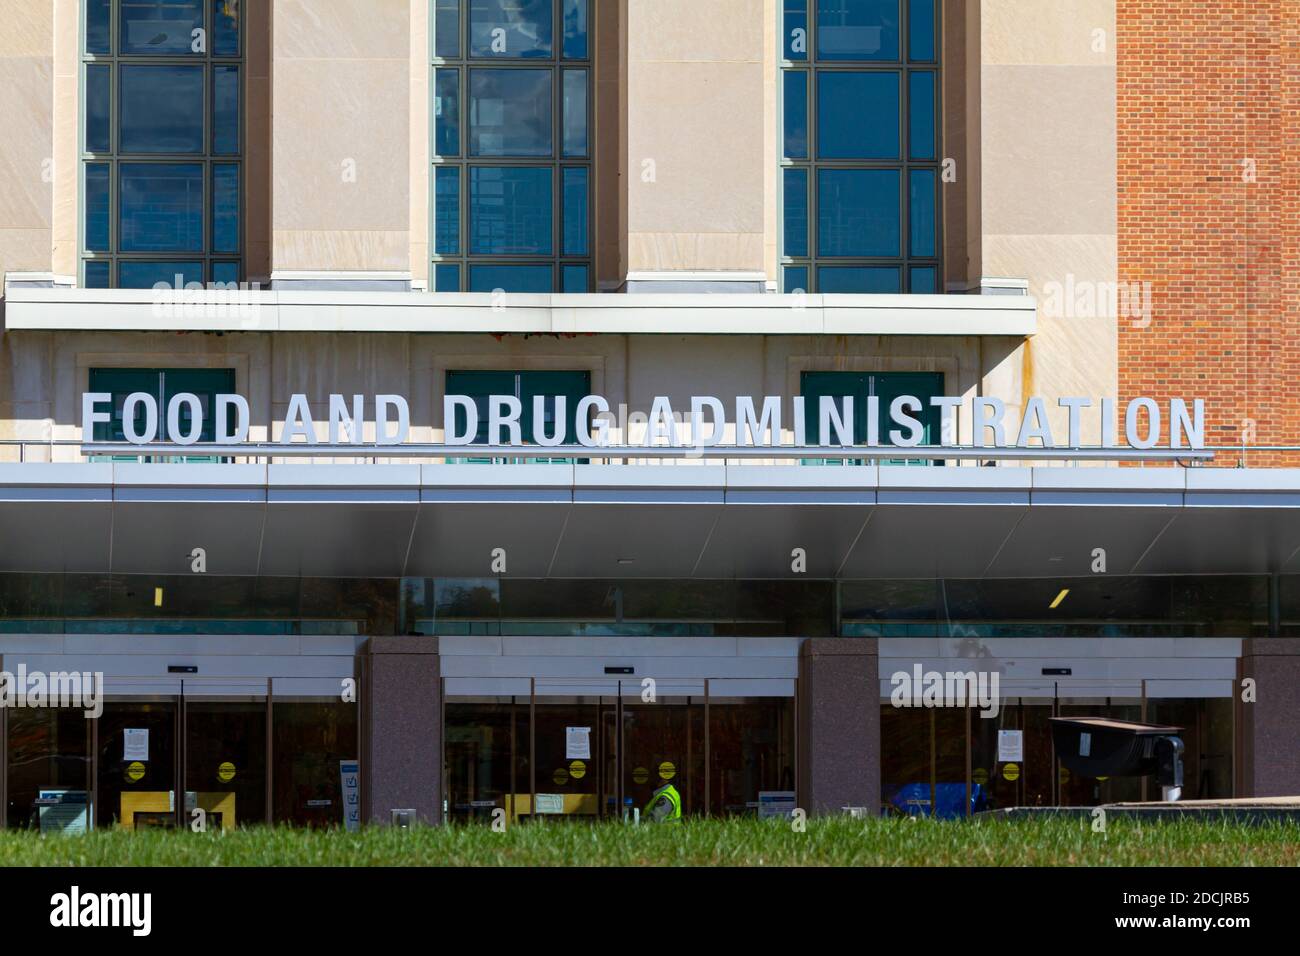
(161, 142)
(511, 146)
(860, 169)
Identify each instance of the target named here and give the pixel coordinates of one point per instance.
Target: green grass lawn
(838, 841)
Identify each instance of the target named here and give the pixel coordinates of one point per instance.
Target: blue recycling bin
(913, 799)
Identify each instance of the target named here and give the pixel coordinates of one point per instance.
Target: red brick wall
(1201, 88)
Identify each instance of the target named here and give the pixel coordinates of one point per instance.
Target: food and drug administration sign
(753, 423)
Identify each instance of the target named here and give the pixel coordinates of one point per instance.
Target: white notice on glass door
(577, 743)
(136, 743)
(1011, 746)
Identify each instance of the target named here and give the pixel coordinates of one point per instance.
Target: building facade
(331, 209)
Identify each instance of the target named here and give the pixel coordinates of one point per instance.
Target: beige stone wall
(696, 102)
(341, 141)
(27, 158)
(1047, 178)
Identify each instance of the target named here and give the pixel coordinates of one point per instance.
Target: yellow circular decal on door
(1063, 775)
(667, 770)
(1011, 771)
(577, 770)
(226, 771)
(561, 776)
(980, 776)
(135, 771)
(640, 775)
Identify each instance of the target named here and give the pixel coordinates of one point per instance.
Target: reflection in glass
(225, 207)
(575, 29)
(98, 14)
(575, 211)
(159, 26)
(510, 28)
(510, 112)
(97, 108)
(858, 212)
(857, 115)
(510, 212)
(225, 762)
(796, 29)
(97, 202)
(861, 280)
(225, 26)
(446, 236)
(575, 113)
(795, 114)
(161, 109)
(488, 278)
(920, 109)
(136, 786)
(920, 30)
(161, 207)
(857, 29)
(225, 110)
(486, 756)
(446, 112)
(139, 274)
(795, 211)
(48, 769)
(446, 28)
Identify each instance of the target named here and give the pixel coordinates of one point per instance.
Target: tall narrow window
(161, 142)
(860, 155)
(511, 146)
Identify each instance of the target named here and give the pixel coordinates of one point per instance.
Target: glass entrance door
(137, 768)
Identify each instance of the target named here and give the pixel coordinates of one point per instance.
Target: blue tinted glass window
(857, 29)
(796, 29)
(575, 112)
(795, 212)
(858, 279)
(161, 109)
(509, 112)
(574, 278)
(97, 26)
(225, 27)
(446, 277)
(920, 30)
(160, 207)
(575, 211)
(97, 207)
(510, 210)
(922, 212)
(96, 275)
(446, 113)
(446, 28)
(795, 112)
(159, 27)
(575, 29)
(795, 279)
(924, 280)
(225, 208)
(446, 204)
(920, 109)
(858, 212)
(133, 274)
(510, 28)
(98, 92)
(857, 115)
(225, 110)
(226, 272)
(486, 278)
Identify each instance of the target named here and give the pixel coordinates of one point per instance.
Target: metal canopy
(656, 521)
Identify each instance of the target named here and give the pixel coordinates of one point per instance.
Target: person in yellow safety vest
(665, 805)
